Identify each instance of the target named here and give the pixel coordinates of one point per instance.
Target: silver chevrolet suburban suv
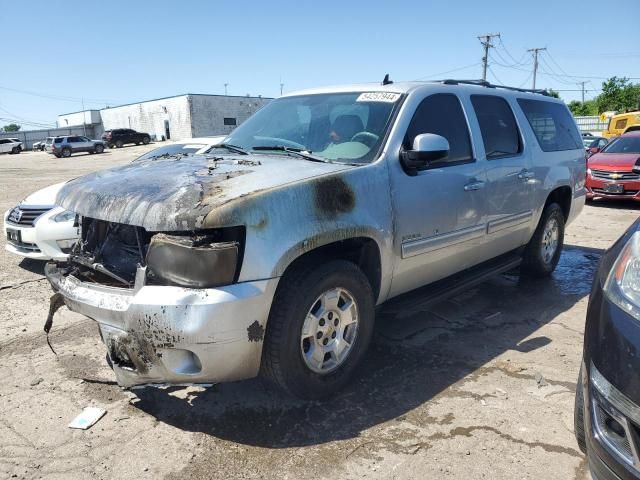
(268, 254)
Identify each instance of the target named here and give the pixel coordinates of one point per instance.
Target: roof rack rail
(484, 83)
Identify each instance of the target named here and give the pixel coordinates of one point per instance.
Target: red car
(615, 171)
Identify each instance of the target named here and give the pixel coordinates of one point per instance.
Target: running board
(436, 292)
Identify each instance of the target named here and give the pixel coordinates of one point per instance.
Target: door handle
(470, 187)
(526, 175)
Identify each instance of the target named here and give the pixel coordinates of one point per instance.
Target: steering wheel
(368, 138)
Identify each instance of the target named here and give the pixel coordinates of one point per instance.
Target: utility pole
(535, 63)
(485, 40)
(84, 119)
(225, 89)
(281, 87)
(582, 83)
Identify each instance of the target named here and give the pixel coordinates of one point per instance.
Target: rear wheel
(578, 416)
(543, 251)
(66, 152)
(119, 144)
(319, 329)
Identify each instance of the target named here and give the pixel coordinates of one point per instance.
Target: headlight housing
(195, 261)
(64, 216)
(623, 283)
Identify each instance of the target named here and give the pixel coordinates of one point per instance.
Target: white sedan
(37, 229)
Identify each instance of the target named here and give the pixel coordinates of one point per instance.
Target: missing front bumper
(174, 335)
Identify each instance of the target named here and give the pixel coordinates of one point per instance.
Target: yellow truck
(621, 123)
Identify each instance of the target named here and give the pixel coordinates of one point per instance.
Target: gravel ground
(480, 386)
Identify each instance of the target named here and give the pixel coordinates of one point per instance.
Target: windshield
(348, 127)
(181, 149)
(623, 145)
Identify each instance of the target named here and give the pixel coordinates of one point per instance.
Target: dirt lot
(479, 387)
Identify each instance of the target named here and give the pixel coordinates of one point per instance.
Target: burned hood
(176, 194)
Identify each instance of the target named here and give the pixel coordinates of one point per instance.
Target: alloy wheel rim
(550, 240)
(329, 331)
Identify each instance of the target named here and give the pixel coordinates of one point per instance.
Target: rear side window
(58, 140)
(500, 133)
(442, 114)
(552, 125)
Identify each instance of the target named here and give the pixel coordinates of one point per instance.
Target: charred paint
(255, 332)
(333, 196)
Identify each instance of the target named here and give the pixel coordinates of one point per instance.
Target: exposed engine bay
(111, 254)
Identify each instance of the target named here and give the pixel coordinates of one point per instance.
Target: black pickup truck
(122, 136)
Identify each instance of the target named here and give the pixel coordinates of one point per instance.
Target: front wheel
(15, 150)
(99, 149)
(146, 140)
(543, 251)
(319, 329)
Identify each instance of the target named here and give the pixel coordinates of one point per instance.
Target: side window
(552, 124)
(442, 114)
(498, 126)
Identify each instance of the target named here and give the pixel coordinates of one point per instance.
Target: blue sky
(124, 51)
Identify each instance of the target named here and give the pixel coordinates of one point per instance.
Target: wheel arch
(363, 251)
(561, 195)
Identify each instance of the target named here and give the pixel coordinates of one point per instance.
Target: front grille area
(617, 176)
(629, 193)
(25, 216)
(25, 247)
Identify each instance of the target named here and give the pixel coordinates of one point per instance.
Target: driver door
(440, 212)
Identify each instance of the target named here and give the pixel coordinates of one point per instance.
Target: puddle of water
(574, 273)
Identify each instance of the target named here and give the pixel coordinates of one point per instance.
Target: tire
(15, 150)
(99, 149)
(57, 155)
(283, 363)
(146, 140)
(66, 152)
(537, 260)
(111, 145)
(119, 144)
(578, 416)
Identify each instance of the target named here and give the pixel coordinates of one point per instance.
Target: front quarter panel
(286, 222)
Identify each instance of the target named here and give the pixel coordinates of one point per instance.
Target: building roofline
(80, 111)
(186, 95)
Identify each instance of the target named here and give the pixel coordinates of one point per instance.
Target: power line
(59, 97)
(517, 62)
(436, 75)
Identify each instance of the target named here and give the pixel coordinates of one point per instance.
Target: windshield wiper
(296, 151)
(233, 148)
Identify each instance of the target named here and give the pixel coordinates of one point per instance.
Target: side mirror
(427, 148)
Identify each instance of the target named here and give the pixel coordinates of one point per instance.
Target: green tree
(618, 94)
(552, 93)
(583, 109)
(12, 127)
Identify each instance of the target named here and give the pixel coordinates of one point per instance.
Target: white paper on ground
(87, 418)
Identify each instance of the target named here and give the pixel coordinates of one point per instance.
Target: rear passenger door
(510, 177)
(440, 212)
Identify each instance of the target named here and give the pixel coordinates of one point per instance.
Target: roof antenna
(386, 80)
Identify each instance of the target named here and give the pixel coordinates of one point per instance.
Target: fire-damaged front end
(166, 304)
(179, 259)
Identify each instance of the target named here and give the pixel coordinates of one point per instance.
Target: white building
(182, 116)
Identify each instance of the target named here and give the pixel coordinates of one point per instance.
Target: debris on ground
(36, 381)
(540, 380)
(88, 418)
